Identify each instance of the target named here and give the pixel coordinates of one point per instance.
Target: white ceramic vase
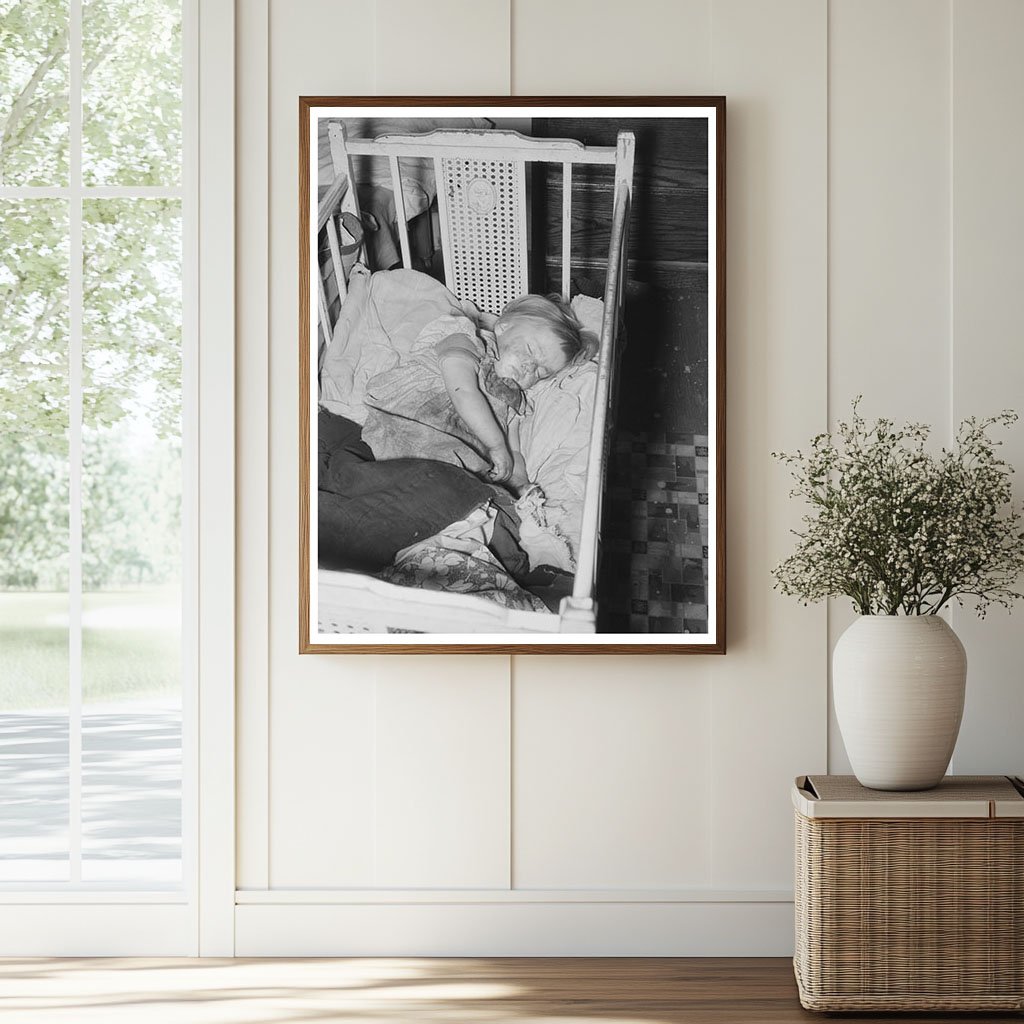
(898, 684)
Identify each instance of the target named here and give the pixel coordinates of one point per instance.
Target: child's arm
(518, 480)
(459, 368)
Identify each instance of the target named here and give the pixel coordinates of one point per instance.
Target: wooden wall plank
(323, 764)
(450, 47)
(442, 773)
(576, 48)
(888, 225)
(324, 729)
(987, 366)
(888, 208)
(670, 188)
(668, 228)
(320, 709)
(442, 48)
(768, 693)
(598, 781)
(611, 779)
(252, 189)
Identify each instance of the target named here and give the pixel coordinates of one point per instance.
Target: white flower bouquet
(899, 530)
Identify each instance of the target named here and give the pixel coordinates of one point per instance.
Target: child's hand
(501, 464)
(519, 481)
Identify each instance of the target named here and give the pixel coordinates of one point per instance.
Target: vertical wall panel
(321, 708)
(442, 48)
(252, 398)
(442, 801)
(611, 755)
(612, 783)
(577, 47)
(988, 340)
(889, 208)
(768, 693)
(888, 224)
(442, 774)
(323, 777)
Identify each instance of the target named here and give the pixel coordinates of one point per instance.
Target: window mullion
(95, 191)
(75, 303)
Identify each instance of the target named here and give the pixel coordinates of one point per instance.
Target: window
(96, 464)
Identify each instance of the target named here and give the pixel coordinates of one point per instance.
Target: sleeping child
(458, 395)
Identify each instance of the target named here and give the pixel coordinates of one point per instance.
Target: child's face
(528, 352)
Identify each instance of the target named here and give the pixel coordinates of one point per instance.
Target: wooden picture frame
(460, 205)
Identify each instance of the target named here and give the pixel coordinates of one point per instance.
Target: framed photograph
(512, 381)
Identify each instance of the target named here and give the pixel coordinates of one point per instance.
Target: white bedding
(381, 318)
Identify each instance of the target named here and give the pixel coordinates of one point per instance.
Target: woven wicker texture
(959, 787)
(485, 206)
(913, 914)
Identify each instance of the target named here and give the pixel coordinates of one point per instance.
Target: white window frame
(197, 918)
(215, 279)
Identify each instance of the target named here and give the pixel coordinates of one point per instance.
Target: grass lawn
(130, 647)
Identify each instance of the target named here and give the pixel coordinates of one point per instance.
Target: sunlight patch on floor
(220, 991)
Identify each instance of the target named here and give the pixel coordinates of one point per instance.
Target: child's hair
(554, 313)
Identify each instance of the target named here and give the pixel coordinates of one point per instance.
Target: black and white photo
(511, 375)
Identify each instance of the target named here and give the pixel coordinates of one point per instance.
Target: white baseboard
(99, 928)
(514, 928)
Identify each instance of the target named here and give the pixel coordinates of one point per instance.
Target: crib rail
(582, 604)
(489, 144)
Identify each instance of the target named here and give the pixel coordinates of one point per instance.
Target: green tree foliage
(33, 515)
(34, 321)
(131, 315)
(131, 509)
(33, 92)
(131, 92)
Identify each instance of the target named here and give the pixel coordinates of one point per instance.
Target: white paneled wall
(612, 775)
(442, 798)
(889, 212)
(441, 48)
(578, 47)
(889, 281)
(318, 756)
(252, 463)
(627, 805)
(768, 692)
(986, 370)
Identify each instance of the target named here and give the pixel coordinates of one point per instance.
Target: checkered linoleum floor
(655, 535)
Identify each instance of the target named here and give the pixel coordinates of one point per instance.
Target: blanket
(422, 523)
(411, 412)
(368, 511)
(380, 319)
(379, 323)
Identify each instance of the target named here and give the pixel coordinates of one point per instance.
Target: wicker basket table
(910, 901)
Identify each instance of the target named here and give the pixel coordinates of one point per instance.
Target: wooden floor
(383, 991)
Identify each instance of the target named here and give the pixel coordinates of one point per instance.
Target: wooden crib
(481, 184)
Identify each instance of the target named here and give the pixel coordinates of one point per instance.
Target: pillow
(555, 432)
(590, 313)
